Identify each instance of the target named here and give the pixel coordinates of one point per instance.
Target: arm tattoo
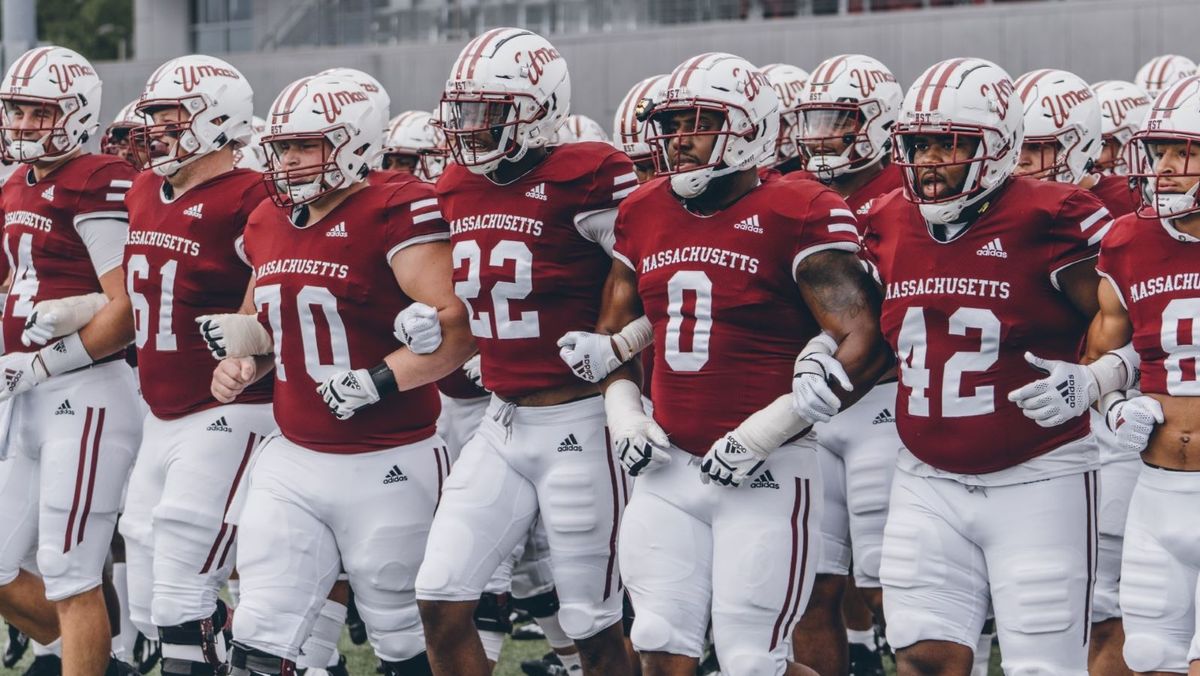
(836, 281)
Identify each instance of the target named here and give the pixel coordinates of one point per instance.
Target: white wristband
(1133, 363)
(65, 354)
(634, 337)
(1111, 373)
(622, 397)
(769, 428)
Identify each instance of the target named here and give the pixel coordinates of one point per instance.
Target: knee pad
(650, 632)
(493, 612)
(541, 605)
(194, 643)
(581, 621)
(250, 662)
(415, 666)
(1147, 652)
(742, 664)
(70, 573)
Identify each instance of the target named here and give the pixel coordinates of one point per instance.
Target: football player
(576, 128)
(115, 140)
(1149, 294)
(788, 82)
(532, 231)
(1062, 143)
(69, 403)
(982, 272)
(629, 130)
(383, 105)
(1163, 71)
(846, 112)
(1123, 107)
(415, 144)
(730, 271)
(334, 260)
(182, 262)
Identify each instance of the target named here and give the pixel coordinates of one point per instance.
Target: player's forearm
(866, 357)
(413, 370)
(110, 330)
(620, 303)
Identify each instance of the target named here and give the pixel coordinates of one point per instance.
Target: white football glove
(473, 367)
(742, 451)
(812, 397)
(1067, 391)
(641, 444)
(55, 318)
(347, 392)
(21, 372)
(1133, 421)
(417, 326)
(234, 335)
(590, 355)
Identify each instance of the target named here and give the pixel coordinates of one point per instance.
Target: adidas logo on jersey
(765, 480)
(537, 192)
(394, 476)
(48, 194)
(12, 378)
(338, 230)
(219, 426)
(993, 248)
(570, 445)
(885, 417)
(65, 408)
(749, 225)
(195, 211)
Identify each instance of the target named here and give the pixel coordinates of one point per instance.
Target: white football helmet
(1174, 119)
(1123, 108)
(731, 87)
(61, 79)
(508, 91)
(850, 101)
(413, 136)
(578, 128)
(1162, 72)
(1061, 110)
(629, 130)
(331, 109)
(964, 98)
(788, 81)
(115, 140)
(219, 104)
(383, 102)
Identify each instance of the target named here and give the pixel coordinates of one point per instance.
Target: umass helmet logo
(333, 103)
(1000, 91)
(869, 80)
(534, 62)
(1118, 110)
(754, 82)
(65, 74)
(1060, 105)
(189, 77)
(788, 92)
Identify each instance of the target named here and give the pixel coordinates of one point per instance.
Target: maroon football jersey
(382, 176)
(181, 262)
(961, 314)
(48, 258)
(525, 271)
(1151, 265)
(458, 386)
(1115, 193)
(328, 296)
(721, 294)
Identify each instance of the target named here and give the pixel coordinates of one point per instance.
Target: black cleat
(358, 630)
(549, 665)
(709, 666)
(530, 631)
(146, 653)
(864, 661)
(45, 665)
(118, 668)
(18, 643)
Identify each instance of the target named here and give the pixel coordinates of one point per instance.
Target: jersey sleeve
(623, 244)
(1081, 222)
(103, 194)
(613, 181)
(1108, 265)
(413, 217)
(828, 225)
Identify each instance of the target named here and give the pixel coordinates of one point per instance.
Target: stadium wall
(1097, 39)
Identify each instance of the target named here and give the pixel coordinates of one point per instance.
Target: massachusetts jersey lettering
(179, 267)
(1153, 269)
(329, 302)
(524, 270)
(723, 300)
(48, 258)
(960, 322)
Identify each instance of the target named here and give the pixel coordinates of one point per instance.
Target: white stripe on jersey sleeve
(840, 212)
(420, 239)
(1099, 234)
(120, 183)
(422, 218)
(631, 177)
(623, 193)
(842, 227)
(1093, 219)
(114, 197)
(422, 204)
(828, 246)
